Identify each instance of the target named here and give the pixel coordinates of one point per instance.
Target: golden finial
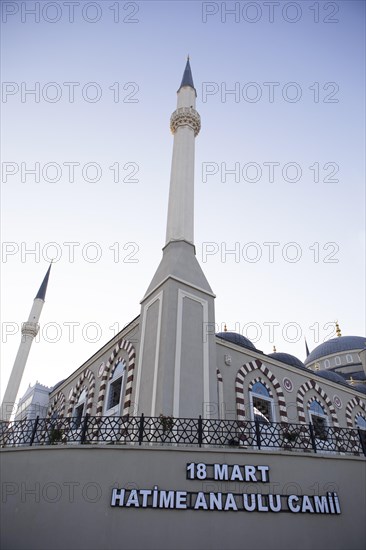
(274, 349)
(338, 330)
(225, 328)
(351, 381)
(316, 366)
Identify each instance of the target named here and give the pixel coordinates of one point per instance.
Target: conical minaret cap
(41, 294)
(187, 79)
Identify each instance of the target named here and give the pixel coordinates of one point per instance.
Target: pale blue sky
(152, 54)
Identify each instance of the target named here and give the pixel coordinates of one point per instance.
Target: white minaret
(185, 124)
(29, 332)
(176, 370)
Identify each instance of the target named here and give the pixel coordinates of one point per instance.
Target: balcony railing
(165, 430)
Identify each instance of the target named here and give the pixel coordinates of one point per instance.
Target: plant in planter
(56, 436)
(290, 436)
(167, 422)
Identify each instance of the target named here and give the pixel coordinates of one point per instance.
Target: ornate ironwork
(166, 430)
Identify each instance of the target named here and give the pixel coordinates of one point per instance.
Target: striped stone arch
(219, 376)
(351, 405)
(257, 365)
(259, 379)
(303, 390)
(108, 373)
(86, 381)
(57, 405)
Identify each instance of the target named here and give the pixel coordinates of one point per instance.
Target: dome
(57, 385)
(336, 345)
(360, 387)
(236, 338)
(332, 376)
(288, 359)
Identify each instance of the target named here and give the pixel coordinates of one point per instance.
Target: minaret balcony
(30, 329)
(185, 116)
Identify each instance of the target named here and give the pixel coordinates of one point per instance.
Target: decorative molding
(158, 297)
(88, 377)
(337, 401)
(303, 390)
(288, 385)
(110, 365)
(180, 281)
(57, 405)
(178, 351)
(185, 116)
(30, 329)
(351, 405)
(220, 394)
(239, 388)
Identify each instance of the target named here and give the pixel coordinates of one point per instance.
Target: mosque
(175, 418)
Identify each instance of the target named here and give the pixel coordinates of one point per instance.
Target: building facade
(173, 436)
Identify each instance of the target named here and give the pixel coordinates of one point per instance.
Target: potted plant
(167, 423)
(290, 436)
(56, 436)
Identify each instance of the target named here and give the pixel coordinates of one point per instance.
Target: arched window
(115, 390)
(326, 364)
(337, 360)
(349, 358)
(79, 408)
(261, 403)
(360, 421)
(319, 420)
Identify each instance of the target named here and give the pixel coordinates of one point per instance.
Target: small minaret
(176, 372)
(29, 332)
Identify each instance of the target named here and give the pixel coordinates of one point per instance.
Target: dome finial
(351, 381)
(316, 366)
(225, 328)
(338, 330)
(274, 349)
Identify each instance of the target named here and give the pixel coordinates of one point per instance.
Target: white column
(185, 123)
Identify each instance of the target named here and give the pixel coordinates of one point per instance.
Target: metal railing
(165, 430)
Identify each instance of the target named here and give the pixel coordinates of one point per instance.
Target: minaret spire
(307, 349)
(185, 124)
(187, 79)
(41, 294)
(29, 332)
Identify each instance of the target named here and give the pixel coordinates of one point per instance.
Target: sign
(221, 501)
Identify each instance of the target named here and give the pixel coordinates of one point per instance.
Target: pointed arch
(86, 381)
(351, 405)
(239, 388)
(111, 364)
(57, 405)
(220, 394)
(303, 390)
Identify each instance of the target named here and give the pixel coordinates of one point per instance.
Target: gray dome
(331, 375)
(288, 359)
(336, 345)
(236, 338)
(57, 385)
(360, 387)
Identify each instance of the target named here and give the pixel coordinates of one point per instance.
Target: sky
(87, 93)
